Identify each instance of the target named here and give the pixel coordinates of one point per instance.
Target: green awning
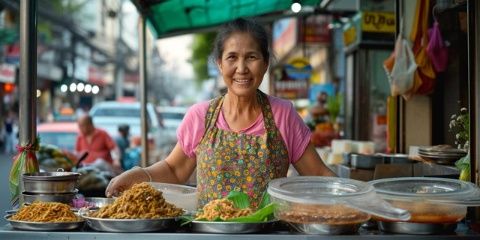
(174, 17)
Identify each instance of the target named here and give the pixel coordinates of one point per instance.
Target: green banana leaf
(25, 161)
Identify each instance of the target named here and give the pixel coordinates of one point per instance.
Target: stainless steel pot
(58, 197)
(50, 182)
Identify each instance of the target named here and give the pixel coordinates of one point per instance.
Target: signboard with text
(291, 80)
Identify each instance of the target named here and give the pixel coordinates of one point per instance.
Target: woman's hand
(125, 180)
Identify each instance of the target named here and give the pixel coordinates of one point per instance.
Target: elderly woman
(241, 140)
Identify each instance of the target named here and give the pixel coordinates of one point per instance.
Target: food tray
(232, 227)
(324, 229)
(129, 225)
(44, 226)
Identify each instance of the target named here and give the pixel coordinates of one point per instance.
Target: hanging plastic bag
(425, 75)
(401, 76)
(436, 49)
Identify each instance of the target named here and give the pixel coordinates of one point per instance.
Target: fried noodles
(45, 212)
(223, 209)
(142, 201)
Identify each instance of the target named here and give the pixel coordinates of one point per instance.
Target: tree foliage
(201, 48)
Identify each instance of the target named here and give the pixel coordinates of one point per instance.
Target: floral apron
(228, 161)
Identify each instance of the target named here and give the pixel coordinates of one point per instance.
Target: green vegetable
(261, 215)
(239, 199)
(463, 164)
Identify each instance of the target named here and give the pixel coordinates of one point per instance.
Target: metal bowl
(128, 225)
(416, 228)
(325, 229)
(50, 182)
(57, 197)
(45, 226)
(94, 202)
(231, 227)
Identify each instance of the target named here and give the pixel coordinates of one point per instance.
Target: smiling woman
(241, 140)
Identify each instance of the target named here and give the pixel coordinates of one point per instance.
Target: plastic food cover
(315, 190)
(435, 190)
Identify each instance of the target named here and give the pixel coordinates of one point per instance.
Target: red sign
(7, 73)
(316, 29)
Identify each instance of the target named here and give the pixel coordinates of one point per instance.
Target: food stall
(461, 229)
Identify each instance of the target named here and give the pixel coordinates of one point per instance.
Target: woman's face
(242, 64)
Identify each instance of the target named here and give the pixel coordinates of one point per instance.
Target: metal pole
(28, 71)
(474, 87)
(143, 89)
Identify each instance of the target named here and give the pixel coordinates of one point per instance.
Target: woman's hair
(242, 25)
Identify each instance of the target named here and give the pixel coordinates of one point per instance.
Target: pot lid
(51, 176)
(429, 189)
(333, 190)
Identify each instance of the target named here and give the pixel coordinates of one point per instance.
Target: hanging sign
(7, 73)
(291, 80)
(380, 22)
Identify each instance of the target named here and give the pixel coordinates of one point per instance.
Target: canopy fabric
(174, 17)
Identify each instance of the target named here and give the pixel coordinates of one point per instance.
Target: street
(5, 164)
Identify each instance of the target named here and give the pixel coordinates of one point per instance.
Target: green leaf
(261, 215)
(240, 199)
(265, 200)
(463, 162)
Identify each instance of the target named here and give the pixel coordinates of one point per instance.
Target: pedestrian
(9, 132)
(99, 145)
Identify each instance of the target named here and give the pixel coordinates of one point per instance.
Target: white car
(109, 115)
(171, 117)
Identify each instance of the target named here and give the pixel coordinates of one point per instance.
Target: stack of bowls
(50, 187)
(441, 154)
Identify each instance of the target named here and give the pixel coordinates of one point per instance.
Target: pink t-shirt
(295, 133)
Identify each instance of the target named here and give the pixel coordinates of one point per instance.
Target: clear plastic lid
(333, 190)
(441, 190)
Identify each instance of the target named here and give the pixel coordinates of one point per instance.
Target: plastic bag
(436, 49)
(401, 76)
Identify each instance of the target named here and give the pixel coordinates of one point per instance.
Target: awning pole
(28, 71)
(143, 89)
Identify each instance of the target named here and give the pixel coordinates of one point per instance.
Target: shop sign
(7, 73)
(316, 29)
(291, 80)
(350, 36)
(380, 22)
(284, 36)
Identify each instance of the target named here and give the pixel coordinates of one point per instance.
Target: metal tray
(325, 229)
(44, 226)
(232, 227)
(416, 228)
(129, 225)
(365, 161)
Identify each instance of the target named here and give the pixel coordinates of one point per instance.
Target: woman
(241, 140)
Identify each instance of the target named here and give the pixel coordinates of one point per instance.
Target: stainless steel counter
(8, 233)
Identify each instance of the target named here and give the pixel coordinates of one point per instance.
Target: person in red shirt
(96, 142)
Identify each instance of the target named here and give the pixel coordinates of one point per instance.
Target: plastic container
(181, 196)
(327, 205)
(429, 200)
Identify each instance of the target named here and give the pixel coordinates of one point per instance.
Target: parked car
(109, 115)
(61, 134)
(171, 117)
